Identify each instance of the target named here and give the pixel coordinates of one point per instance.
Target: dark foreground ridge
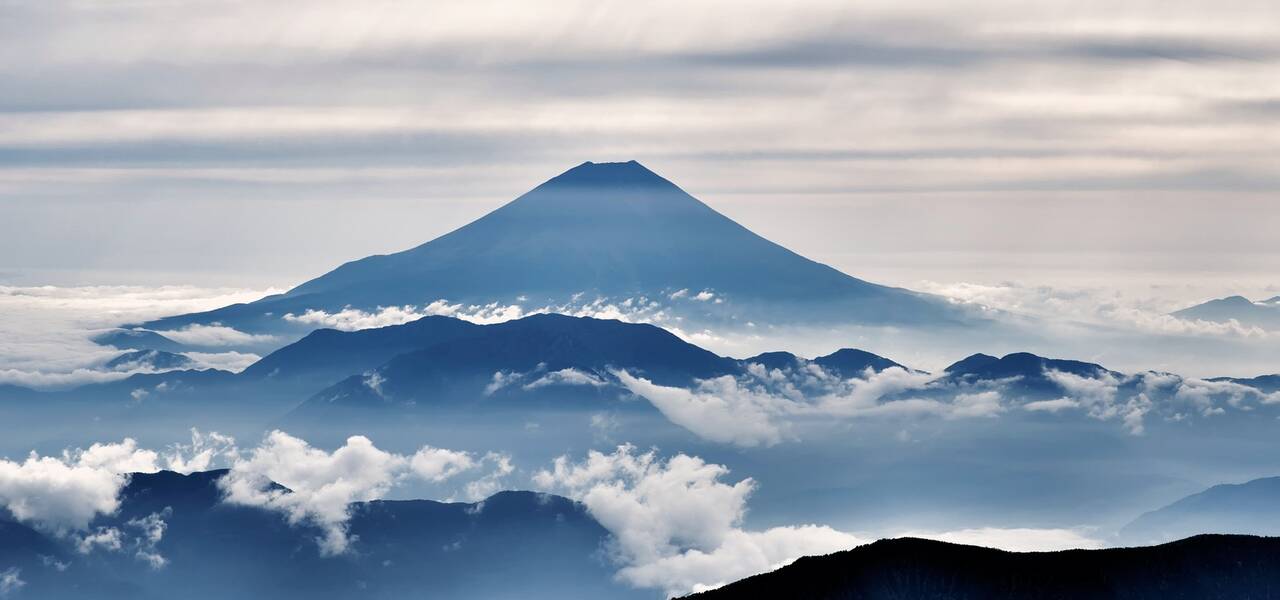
(1205, 567)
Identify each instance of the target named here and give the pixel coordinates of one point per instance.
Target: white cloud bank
(214, 335)
(63, 494)
(757, 408)
(321, 485)
(45, 331)
(676, 525)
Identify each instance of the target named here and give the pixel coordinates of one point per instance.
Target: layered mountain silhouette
(1024, 373)
(511, 545)
(1251, 507)
(546, 361)
(1263, 314)
(614, 230)
(1207, 567)
(846, 362)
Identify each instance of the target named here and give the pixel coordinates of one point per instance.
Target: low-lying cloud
(676, 524)
(758, 407)
(319, 486)
(46, 331)
(215, 336)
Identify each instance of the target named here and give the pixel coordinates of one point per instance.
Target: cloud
(637, 309)
(215, 335)
(109, 539)
(320, 486)
(352, 319)
(538, 377)
(1202, 394)
(151, 530)
(1099, 397)
(717, 409)
(65, 493)
(10, 581)
(47, 330)
(202, 453)
(226, 361)
(145, 545)
(675, 524)
(758, 408)
(439, 464)
(568, 376)
(1093, 305)
(1052, 406)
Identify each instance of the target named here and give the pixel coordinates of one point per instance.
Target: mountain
(511, 545)
(515, 359)
(1026, 371)
(1264, 314)
(1265, 383)
(615, 230)
(1209, 567)
(137, 339)
(1249, 508)
(154, 360)
(845, 363)
(326, 356)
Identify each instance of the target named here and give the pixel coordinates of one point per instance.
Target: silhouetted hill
(1250, 508)
(845, 363)
(607, 229)
(850, 362)
(1210, 567)
(547, 350)
(1027, 371)
(326, 356)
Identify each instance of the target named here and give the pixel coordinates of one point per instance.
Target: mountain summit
(615, 230)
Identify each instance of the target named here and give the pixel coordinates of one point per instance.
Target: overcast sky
(261, 143)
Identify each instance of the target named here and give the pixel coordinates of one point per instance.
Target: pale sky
(255, 144)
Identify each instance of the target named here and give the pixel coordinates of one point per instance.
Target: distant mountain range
(1252, 507)
(1263, 314)
(512, 545)
(614, 230)
(554, 361)
(1207, 567)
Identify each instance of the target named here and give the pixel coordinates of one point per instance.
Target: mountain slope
(1026, 372)
(328, 355)
(1199, 568)
(1249, 508)
(1264, 314)
(525, 355)
(608, 229)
